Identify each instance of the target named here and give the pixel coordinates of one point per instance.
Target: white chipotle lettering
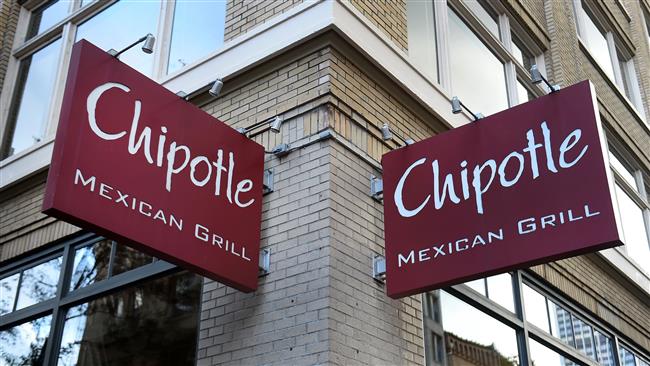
(177, 157)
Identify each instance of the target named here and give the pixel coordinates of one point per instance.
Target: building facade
(335, 71)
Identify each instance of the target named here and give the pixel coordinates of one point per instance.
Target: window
(646, 18)
(129, 303)
(41, 55)
(476, 332)
(474, 51)
(633, 208)
(613, 60)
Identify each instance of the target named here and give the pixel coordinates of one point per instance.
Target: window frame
(637, 194)
(617, 50)
(526, 330)
(501, 46)
(66, 30)
(64, 299)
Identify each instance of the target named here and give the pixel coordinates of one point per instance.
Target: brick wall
(243, 15)
(9, 11)
(388, 15)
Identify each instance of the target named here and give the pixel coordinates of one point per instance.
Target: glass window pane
(634, 231)
(39, 283)
(642, 362)
(8, 287)
(500, 290)
(626, 357)
(535, 306)
(46, 16)
(561, 326)
(543, 356)
(471, 334)
(523, 93)
(478, 286)
(127, 259)
(582, 333)
(32, 99)
(597, 44)
(604, 349)
(24, 344)
(90, 264)
(477, 75)
(132, 327)
(622, 64)
(484, 16)
(622, 170)
(197, 30)
(120, 25)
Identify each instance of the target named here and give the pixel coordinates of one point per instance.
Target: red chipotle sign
(138, 164)
(522, 187)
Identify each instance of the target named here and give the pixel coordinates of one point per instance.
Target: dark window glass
(90, 264)
(8, 287)
(46, 16)
(198, 29)
(32, 99)
(39, 283)
(151, 324)
(24, 344)
(127, 259)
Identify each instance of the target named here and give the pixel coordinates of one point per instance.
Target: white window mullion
(67, 41)
(510, 69)
(580, 22)
(611, 45)
(163, 37)
(442, 40)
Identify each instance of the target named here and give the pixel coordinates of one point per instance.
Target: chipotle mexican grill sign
(136, 163)
(522, 187)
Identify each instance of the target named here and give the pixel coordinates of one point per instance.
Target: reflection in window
(535, 306)
(90, 264)
(597, 44)
(469, 335)
(561, 326)
(32, 99)
(8, 287)
(119, 25)
(634, 231)
(604, 349)
(127, 259)
(197, 30)
(24, 344)
(582, 333)
(523, 93)
(477, 76)
(46, 16)
(39, 283)
(154, 324)
(626, 357)
(543, 356)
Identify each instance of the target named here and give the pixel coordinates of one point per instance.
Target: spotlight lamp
(215, 90)
(457, 107)
(385, 132)
(147, 47)
(409, 141)
(276, 124)
(537, 77)
(149, 42)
